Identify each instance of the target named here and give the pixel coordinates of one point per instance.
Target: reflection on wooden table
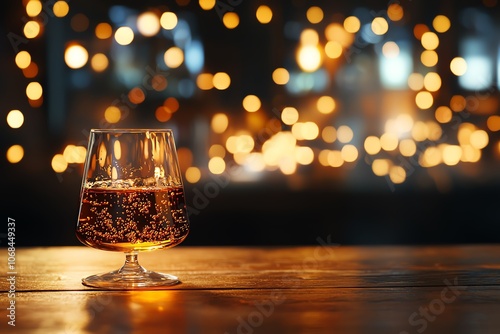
(313, 289)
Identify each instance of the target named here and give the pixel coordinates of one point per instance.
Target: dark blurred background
(372, 122)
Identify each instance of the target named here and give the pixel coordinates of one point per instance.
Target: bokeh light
(205, 81)
(193, 174)
(33, 8)
(390, 49)
(416, 81)
(103, 30)
(407, 147)
(429, 58)
(372, 145)
(168, 20)
(349, 153)
(148, 24)
(207, 4)
(322, 46)
(159, 82)
(185, 156)
(58, 163)
(430, 41)
(424, 100)
(458, 66)
(289, 115)
(99, 62)
(329, 134)
(32, 29)
(458, 103)
(309, 37)
(314, 14)
(221, 80)
(479, 139)
(76, 154)
(23, 59)
(397, 174)
(172, 104)
(216, 165)
(34, 90)
(124, 35)
(264, 14)
(304, 155)
(431, 157)
(173, 57)
(333, 49)
(432, 82)
(112, 114)
(493, 123)
(31, 71)
(217, 150)
(60, 8)
(419, 131)
(231, 20)
(281, 76)
(163, 114)
(380, 167)
(325, 104)
(251, 103)
(352, 24)
(76, 56)
(451, 154)
(434, 131)
(441, 23)
(15, 119)
(395, 12)
(379, 26)
(335, 159)
(15, 154)
(419, 30)
(136, 95)
(443, 114)
(309, 58)
(389, 141)
(305, 130)
(344, 134)
(219, 122)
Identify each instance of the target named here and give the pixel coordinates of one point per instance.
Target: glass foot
(119, 281)
(130, 276)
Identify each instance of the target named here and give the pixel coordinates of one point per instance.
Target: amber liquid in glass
(132, 219)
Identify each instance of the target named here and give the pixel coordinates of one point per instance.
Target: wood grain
(347, 310)
(61, 268)
(311, 289)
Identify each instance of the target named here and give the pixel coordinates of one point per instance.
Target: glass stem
(131, 266)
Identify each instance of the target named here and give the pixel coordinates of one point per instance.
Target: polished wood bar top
(323, 288)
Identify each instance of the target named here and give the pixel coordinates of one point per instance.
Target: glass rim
(129, 130)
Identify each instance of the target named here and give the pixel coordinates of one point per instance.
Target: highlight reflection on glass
(132, 200)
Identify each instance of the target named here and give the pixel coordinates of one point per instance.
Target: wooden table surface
(315, 289)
